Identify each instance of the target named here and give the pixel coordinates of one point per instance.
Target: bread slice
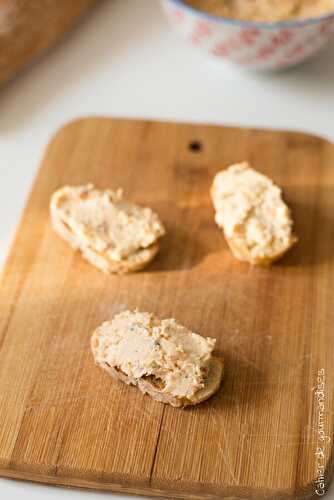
(113, 235)
(256, 221)
(162, 358)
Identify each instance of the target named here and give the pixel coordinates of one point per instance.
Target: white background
(124, 60)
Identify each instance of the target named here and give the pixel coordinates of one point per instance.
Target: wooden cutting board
(63, 421)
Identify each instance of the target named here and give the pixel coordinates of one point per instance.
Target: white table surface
(124, 60)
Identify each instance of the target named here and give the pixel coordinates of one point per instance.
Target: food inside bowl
(264, 10)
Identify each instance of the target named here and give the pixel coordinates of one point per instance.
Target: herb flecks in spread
(141, 345)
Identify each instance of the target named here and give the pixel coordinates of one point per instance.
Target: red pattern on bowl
(253, 45)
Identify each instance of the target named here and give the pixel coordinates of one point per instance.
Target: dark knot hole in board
(195, 146)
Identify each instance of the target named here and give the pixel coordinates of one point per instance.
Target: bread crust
(212, 385)
(242, 253)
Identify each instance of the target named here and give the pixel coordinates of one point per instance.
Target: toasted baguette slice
(162, 358)
(249, 208)
(113, 235)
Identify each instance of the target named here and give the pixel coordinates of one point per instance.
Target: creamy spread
(264, 10)
(141, 345)
(249, 207)
(106, 223)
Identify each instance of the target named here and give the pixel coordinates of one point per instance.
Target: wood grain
(29, 27)
(63, 421)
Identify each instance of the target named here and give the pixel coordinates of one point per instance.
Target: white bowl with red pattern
(250, 44)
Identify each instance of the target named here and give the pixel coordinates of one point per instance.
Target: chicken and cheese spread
(251, 212)
(141, 346)
(103, 221)
(264, 10)
(113, 235)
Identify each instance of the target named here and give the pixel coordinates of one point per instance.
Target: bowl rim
(292, 23)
